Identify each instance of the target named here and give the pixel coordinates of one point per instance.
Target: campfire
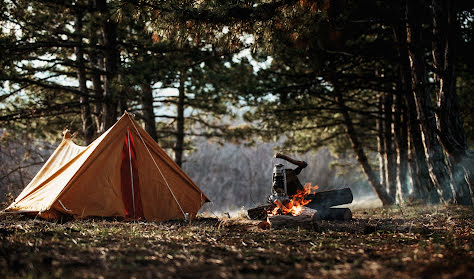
(293, 205)
(296, 204)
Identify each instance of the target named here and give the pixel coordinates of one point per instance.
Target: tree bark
(178, 149)
(148, 113)
(401, 144)
(381, 144)
(422, 187)
(360, 153)
(87, 124)
(99, 95)
(96, 63)
(122, 95)
(433, 150)
(110, 100)
(448, 120)
(390, 155)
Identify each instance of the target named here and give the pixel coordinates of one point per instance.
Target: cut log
(308, 219)
(259, 212)
(327, 199)
(335, 214)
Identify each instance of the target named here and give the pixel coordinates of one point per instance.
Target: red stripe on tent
(126, 180)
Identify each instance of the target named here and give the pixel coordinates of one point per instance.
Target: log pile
(321, 202)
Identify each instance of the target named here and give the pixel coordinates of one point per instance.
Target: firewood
(332, 214)
(321, 201)
(327, 199)
(259, 212)
(308, 219)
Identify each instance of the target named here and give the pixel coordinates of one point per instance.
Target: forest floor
(409, 242)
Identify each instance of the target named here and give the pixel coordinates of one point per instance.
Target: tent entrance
(130, 185)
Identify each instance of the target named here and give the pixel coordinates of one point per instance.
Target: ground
(409, 242)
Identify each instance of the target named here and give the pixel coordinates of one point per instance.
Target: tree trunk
(99, 95)
(110, 100)
(422, 187)
(401, 144)
(178, 149)
(449, 122)
(381, 144)
(360, 154)
(390, 155)
(433, 150)
(122, 96)
(148, 113)
(402, 175)
(96, 63)
(87, 125)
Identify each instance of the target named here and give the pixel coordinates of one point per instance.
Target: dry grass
(412, 242)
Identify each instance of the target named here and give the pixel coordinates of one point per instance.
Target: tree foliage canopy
(361, 77)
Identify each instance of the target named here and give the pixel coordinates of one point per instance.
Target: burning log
(327, 199)
(307, 219)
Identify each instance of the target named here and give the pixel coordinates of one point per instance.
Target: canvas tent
(122, 173)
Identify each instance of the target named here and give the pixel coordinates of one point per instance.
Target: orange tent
(122, 173)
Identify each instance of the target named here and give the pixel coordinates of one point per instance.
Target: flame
(295, 205)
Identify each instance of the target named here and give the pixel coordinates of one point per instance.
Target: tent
(122, 173)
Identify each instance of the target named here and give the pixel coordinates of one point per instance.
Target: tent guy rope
(63, 206)
(169, 188)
